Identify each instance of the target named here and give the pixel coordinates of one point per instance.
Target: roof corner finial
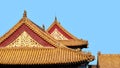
(25, 13)
(99, 53)
(55, 18)
(43, 26)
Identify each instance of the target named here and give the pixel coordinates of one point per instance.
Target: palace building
(27, 44)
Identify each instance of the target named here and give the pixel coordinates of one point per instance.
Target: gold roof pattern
(24, 40)
(42, 56)
(57, 35)
(108, 60)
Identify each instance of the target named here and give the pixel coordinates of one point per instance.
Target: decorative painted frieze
(57, 35)
(24, 40)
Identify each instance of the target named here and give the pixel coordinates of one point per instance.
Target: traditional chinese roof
(30, 28)
(27, 43)
(42, 56)
(61, 34)
(108, 60)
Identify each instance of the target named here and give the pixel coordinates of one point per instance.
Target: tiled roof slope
(73, 42)
(71, 38)
(42, 56)
(108, 60)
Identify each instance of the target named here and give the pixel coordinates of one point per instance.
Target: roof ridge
(56, 22)
(110, 54)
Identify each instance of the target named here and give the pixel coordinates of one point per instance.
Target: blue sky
(97, 21)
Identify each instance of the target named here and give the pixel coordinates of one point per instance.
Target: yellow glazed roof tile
(42, 56)
(109, 60)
